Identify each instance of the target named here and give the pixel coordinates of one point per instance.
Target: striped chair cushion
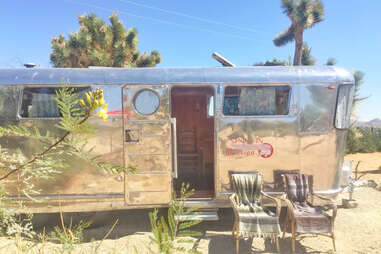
(298, 187)
(308, 219)
(254, 220)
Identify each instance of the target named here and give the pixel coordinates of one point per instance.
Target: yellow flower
(82, 102)
(101, 101)
(88, 97)
(103, 113)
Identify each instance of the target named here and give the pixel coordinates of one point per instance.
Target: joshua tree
(307, 58)
(303, 14)
(99, 44)
(331, 61)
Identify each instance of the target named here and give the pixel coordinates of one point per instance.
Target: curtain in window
(257, 101)
(43, 105)
(8, 102)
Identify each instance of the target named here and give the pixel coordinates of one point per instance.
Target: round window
(146, 102)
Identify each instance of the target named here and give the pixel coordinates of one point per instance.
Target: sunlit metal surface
(259, 74)
(80, 177)
(151, 153)
(305, 139)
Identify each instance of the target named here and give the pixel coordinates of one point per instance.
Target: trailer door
(147, 136)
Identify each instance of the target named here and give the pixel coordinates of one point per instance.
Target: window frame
(257, 85)
(350, 103)
(208, 108)
(57, 86)
(140, 91)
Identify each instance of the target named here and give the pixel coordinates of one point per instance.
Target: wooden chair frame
(234, 200)
(290, 217)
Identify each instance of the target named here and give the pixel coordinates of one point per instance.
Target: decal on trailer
(241, 148)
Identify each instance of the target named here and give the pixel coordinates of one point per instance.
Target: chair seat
(251, 218)
(259, 223)
(311, 220)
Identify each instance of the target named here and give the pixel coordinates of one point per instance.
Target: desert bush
(68, 236)
(167, 233)
(363, 140)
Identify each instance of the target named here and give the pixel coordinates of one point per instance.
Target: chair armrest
(233, 200)
(290, 207)
(276, 200)
(332, 204)
(323, 198)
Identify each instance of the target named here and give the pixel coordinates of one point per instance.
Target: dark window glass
(256, 100)
(37, 102)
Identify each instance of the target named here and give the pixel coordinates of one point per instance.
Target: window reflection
(250, 100)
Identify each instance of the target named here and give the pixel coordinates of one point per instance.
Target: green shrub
(363, 140)
(166, 234)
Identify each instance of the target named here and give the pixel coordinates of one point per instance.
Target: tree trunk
(298, 46)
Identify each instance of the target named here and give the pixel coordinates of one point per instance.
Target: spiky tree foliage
(307, 58)
(303, 14)
(331, 61)
(99, 44)
(359, 80)
(273, 62)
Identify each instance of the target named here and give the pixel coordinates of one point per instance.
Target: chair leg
(285, 227)
(333, 241)
(293, 236)
(237, 245)
(277, 244)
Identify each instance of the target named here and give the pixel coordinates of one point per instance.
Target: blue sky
(187, 32)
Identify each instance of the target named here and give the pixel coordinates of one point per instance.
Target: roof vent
(222, 60)
(29, 65)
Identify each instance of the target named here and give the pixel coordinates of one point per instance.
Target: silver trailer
(190, 125)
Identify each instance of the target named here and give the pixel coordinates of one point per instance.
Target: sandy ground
(357, 230)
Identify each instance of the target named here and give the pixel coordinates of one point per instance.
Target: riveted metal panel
(150, 148)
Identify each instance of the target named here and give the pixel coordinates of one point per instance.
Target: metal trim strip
(324, 192)
(152, 191)
(152, 173)
(83, 195)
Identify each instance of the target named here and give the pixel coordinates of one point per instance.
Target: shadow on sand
(137, 221)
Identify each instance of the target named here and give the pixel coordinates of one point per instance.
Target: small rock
(372, 184)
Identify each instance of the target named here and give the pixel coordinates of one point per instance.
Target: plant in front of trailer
(19, 172)
(52, 158)
(169, 235)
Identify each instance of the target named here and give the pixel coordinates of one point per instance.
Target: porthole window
(146, 102)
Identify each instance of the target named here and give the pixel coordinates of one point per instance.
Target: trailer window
(146, 102)
(210, 106)
(344, 106)
(9, 97)
(256, 101)
(37, 102)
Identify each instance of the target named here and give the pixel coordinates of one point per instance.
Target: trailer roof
(260, 74)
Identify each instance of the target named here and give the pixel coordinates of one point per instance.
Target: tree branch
(44, 152)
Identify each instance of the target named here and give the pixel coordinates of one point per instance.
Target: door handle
(131, 135)
(174, 146)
